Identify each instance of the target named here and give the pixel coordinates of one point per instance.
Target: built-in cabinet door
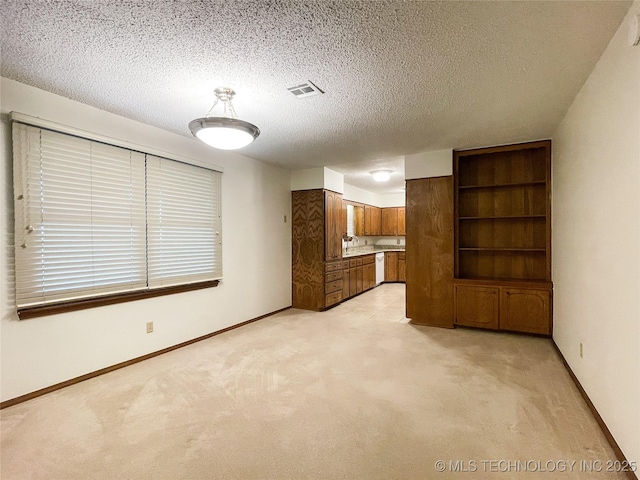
(525, 310)
(333, 225)
(376, 221)
(389, 221)
(477, 306)
(401, 221)
(391, 267)
(360, 277)
(353, 281)
(345, 283)
(402, 271)
(367, 220)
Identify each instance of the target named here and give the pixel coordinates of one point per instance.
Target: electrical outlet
(398, 241)
(149, 327)
(366, 242)
(580, 349)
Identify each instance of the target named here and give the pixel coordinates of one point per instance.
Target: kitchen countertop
(359, 251)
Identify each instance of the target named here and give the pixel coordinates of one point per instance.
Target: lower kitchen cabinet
(394, 267)
(518, 308)
(358, 275)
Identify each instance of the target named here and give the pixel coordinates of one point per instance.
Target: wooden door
(367, 220)
(353, 281)
(358, 220)
(402, 272)
(391, 266)
(525, 310)
(477, 306)
(308, 244)
(401, 221)
(345, 283)
(376, 221)
(390, 221)
(429, 251)
(333, 225)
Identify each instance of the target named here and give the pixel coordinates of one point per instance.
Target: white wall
(596, 238)
(392, 200)
(318, 177)
(43, 351)
(360, 195)
(438, 163)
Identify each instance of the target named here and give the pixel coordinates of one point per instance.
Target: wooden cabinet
(429, 251)
(316, 249)
(477, 306)
(401, 221)
(393, 221)
(402, 271)
(346, 280)
(394, 267)
(503, 230)
(372, 220)
(360, 275)
(525, 310)
(333, 225)
(389, 222)
(500, 307)
(391, 267)
(358, 226)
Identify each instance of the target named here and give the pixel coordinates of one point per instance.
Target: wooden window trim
(84, 303)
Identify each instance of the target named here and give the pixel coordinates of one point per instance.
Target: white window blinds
(80, 217)
(184, 223)
(94, 219)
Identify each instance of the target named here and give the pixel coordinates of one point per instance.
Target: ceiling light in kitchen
(381, 175)
(226, 132)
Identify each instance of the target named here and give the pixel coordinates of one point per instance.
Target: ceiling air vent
(306, 89)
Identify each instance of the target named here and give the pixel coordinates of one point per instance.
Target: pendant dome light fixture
(226, 132)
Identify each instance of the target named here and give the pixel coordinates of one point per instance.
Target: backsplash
(371, 244)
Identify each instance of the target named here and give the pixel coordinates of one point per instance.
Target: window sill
(71, 306)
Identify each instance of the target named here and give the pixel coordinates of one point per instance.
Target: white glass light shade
(223, 132)
(381, 175)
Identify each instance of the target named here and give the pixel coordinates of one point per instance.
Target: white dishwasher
(379, 268)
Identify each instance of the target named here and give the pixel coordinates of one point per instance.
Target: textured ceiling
(400, 76)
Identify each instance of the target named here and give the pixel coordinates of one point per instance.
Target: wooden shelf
(502, 185)
(503, 217)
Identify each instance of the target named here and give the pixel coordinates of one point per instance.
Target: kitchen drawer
(333, 266)
(333, 286)
(359, 261)
(369, 259)
(345, 264)
(333, 276)
(332, 298)
(352, 263)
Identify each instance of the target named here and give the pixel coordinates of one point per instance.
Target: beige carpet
(352, 393)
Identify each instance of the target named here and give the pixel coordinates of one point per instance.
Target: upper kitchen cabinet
(333, 221)
(317, 225)
(393, 221)
(372, 220)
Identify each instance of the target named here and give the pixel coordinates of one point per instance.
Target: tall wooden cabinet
(429, 251)
(317, 227)
(503, 237)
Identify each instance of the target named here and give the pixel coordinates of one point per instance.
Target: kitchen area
(345, 240)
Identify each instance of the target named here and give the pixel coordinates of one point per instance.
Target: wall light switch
(149, 327)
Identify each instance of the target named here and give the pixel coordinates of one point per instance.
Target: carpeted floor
(351, 393)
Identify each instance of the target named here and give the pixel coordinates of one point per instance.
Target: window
(96, 220)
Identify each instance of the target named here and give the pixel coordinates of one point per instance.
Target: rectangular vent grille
(306, 89)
